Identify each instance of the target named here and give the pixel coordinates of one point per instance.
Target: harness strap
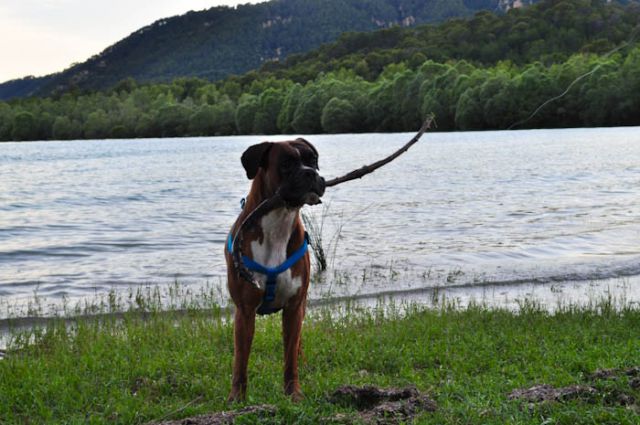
(271, 272)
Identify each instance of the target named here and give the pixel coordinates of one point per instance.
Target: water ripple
(84, 217)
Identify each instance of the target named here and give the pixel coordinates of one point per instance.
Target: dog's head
(291, 167)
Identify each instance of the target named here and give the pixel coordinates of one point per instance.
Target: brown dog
(278, 239)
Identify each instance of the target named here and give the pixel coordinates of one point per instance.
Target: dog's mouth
(306, 189)
(316, 192)
(312, 198)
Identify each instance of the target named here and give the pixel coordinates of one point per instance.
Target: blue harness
(271, 273)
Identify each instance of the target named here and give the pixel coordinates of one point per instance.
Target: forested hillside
(524, 64)
(221, 41)
(549, 33)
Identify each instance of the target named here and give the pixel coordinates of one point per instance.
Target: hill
(549, 32)
(487, 72)
(221, 41)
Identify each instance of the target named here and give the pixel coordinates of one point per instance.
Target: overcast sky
(38, 37)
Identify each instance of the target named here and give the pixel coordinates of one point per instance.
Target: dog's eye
(288, 164)
(310, 160)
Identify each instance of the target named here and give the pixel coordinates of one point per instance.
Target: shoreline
(290, 135)
(547, 293)
(510, 296)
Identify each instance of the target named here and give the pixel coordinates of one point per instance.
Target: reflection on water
(80, 218)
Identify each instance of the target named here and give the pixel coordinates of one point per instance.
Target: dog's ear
(255, 157)
(308, 144)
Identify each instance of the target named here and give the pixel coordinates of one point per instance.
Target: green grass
(135, 369)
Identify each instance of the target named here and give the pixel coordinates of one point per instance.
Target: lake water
(459, 210)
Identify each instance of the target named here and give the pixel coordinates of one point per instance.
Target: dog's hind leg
(243, 329)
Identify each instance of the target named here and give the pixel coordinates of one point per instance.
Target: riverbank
(135, 369)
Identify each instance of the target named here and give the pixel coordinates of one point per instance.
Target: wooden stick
(367, 169)
(276, 201)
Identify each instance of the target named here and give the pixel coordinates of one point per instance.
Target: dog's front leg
(291, 329)
(243, 329)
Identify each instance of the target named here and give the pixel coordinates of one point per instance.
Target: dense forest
(467, 92)
(214, 43)
(549, 33)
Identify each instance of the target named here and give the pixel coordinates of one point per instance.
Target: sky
(38, 37)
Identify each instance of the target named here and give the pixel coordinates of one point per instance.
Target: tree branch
(276, 201)
(367, 169)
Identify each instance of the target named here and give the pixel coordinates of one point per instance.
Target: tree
(173, 120)
(339, 116)
(24, 127)
(306, 119)
(469, 110)
(270, 104)
(248, 107)
(201, 121)
(224, 117)
(6, 121)
(288, 110)
(63, 128)
(97, 125)
(500, 110)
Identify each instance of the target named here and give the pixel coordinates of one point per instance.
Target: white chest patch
(277, 227)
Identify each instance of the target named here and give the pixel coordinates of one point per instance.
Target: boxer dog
(277, 241)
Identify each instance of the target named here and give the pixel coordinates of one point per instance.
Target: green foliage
(23, 127)
(201, 121)
(63, 129)
(97, 125)
(223, 41)
(6, 122)
(339, 116)
(549, 32)
(173, 120)
(372, 94)
(246, 113)
(288, 110)
(270, 103)
(306, 119)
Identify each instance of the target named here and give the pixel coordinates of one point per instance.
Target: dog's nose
(321, 185)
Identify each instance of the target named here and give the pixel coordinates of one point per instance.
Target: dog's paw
(236, 396)
(296, 396)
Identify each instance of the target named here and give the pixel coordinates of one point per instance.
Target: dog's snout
(322, 185)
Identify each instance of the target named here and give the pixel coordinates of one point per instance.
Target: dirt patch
(375, 406)
(541, 393)
(608, 386)
(631, 372)
(224, 418)
(379, 405)
(612, 382)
